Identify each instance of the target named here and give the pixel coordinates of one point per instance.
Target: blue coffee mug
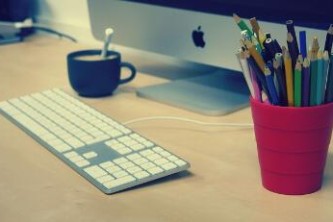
(90, 75)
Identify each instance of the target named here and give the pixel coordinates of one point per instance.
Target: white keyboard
(108, 154)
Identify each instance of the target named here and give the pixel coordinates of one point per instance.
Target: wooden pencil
(241, 24)
(298, 84)
(255, 54)
(289, 76)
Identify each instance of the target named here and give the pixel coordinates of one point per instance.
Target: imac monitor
(203, 36)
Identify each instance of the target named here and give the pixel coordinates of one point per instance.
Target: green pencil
(241, 24)
(298, 84)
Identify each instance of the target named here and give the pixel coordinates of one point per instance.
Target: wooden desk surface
(223, 183)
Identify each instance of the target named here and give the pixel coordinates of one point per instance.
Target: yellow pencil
(254, 53)
(258, 31)
(289, 76)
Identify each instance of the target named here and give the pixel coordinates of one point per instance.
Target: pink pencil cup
(292, 145)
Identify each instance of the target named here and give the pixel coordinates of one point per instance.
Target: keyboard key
(95, 171)
(118, 182)
(120, 160)
(133, 169)
(113, 169)
(161, 161)
(106, 164)
(90, 155)
(120, 174)
(104, 179)
(133, 156)
(155, 170)
(82, 163)
(169, 166)
(148, 165)
(141, 174)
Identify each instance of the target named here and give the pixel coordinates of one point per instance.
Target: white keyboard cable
(250, 125)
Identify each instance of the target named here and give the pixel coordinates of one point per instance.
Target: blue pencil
(302, 43)
(271, 86)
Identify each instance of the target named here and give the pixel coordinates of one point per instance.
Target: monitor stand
(217, 92)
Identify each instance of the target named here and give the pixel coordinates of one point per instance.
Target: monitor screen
(303, 13)
(203, 32)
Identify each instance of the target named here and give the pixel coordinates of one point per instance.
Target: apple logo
(198, 37)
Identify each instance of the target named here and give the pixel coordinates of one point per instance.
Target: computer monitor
(202, 33)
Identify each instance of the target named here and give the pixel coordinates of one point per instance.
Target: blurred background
(69, 18)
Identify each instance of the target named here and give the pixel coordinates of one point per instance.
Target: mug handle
(133, 72)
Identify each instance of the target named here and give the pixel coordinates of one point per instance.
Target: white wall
(69, 16)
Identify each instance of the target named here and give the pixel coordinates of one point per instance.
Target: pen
(292, 46)
(270, 48)
(329, 84)
(277, 65)
(277, 46)
(326, 59)
(291, 30)
(107, 40)
(329, 40)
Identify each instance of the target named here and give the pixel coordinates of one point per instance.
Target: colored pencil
(320, 76)
(245, 35)
(314, 46)
(271, 87)
(260, 75)
(313, 77)
(241, 24)
(302, 43)
(289, 76)
(298, 84)
(258, 31)
(305, 82)
(254, 53)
